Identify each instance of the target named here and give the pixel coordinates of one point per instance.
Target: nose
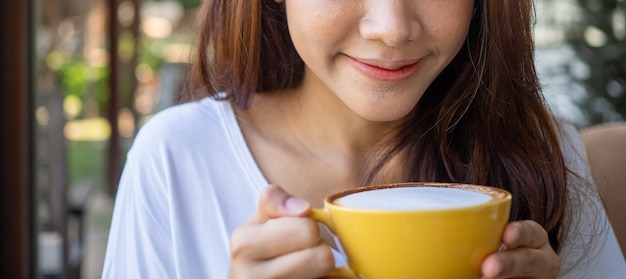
(393, 22)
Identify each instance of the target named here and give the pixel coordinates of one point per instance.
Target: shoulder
(195, 143)
(588, 228)
(186, 117)
(184, 125)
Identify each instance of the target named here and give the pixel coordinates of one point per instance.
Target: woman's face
(377, 56)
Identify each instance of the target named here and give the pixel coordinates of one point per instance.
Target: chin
(384, 114)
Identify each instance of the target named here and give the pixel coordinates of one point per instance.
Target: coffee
(413, 198)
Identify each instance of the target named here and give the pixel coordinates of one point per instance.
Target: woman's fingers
(527, 254)
(275, 228)
(313, 262)
(274, 238)
(524, 234)
(279, 241)
(275, 202)
(521, 263)
(309, 263)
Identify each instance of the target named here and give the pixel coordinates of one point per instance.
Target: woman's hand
(279, 241)
(527, 254)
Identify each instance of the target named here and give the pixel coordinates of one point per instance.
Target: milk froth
(413, 198)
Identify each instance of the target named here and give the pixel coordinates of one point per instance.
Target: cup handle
(322, 216)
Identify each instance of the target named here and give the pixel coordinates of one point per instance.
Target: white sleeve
(140, 242)
(590, 249)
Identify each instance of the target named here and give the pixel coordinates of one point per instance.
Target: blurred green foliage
(86, 161)
(187, 4)
(87, 82)
(77, 78)
(151, 52)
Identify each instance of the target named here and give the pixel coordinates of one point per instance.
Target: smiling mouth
(386, 71)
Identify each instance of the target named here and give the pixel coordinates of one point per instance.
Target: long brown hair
(482, 121)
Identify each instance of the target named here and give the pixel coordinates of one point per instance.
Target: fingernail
(502, 247)
(296, 205)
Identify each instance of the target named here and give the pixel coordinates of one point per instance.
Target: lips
(386, 71)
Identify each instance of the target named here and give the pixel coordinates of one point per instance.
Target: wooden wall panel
(16, 224)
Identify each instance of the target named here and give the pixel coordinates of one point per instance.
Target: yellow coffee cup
(416, 230)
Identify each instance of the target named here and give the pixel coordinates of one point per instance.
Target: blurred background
(80, 77)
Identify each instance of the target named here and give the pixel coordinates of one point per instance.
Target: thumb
(275, 202)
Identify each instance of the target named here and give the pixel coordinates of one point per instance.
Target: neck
(311, 124)
(318, 115)
(319, 120)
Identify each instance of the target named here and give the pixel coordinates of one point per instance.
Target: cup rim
(498, 195)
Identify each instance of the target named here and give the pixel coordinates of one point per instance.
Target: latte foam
(413, 198)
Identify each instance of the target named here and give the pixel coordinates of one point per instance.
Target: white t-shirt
(190, 180)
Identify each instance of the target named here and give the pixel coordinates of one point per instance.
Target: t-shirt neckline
(241, 146)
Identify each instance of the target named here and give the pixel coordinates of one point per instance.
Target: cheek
(451, 24)
(311, 19)
(317, 24)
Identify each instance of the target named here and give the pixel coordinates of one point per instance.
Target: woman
(323, 95)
